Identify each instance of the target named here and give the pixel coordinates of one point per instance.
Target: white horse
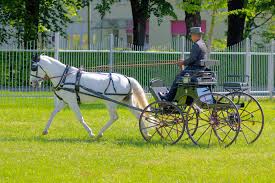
(45, 67)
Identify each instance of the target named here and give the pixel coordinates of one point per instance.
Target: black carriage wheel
(186, 101)
(162, 121)
(218, 121)
(251, 115)
(192, 117)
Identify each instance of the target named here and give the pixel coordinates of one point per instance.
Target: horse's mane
(51, 59)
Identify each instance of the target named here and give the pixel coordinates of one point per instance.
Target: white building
(119, 23)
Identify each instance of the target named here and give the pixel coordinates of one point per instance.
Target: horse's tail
(138, 94)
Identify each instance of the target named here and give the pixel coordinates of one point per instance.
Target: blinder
(35, 60)
(34, 66)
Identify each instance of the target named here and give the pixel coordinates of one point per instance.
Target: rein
(65, 74)
(77, 86)
(102, 67)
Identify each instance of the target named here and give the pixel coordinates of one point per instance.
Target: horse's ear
(35, 58)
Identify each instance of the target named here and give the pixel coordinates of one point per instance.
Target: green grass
(67, 154)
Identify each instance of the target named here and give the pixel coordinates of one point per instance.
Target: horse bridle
(35, 65)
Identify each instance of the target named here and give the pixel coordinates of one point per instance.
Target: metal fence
(154, 62)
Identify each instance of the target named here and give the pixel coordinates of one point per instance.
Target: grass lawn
(67, 154)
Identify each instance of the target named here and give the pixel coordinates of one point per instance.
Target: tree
(26, 18)
(31, 20)
(10, 19)
(258, 14)
(215, 7)
(236, 21)
(245, 16)
(141, 12)
(192, 13)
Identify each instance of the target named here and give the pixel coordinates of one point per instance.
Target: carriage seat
(198, 78)
(241, 85)
(208, 63)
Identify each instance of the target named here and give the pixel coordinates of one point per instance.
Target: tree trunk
(211, 31)
(31, 22)
(140, 15)
(235, 22)
(192, 20)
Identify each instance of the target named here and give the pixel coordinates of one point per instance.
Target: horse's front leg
(74, 106)
(59, 104)
(113, 117)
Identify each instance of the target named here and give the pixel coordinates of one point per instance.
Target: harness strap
(110, 81)
(77, 85)
(130, 90)
(98, 95)
(57, 96)
(62, 80)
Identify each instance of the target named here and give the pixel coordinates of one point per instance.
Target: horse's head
(38, 74)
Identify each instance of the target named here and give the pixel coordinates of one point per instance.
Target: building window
(178, 27)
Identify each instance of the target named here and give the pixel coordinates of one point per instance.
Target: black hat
(196, 30)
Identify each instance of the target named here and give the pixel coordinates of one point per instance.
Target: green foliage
(105, 6)
(159, 8)
(190, 6)
(269, 32)
(54, 15)
(259, 13)
(11, 18)
(219, 44)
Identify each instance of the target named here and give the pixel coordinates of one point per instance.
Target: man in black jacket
(198, 53)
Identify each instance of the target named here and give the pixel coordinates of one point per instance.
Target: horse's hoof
(92, 135)
(100, 135)
(45, 132)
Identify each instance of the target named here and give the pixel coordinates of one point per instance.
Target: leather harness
(78, 86)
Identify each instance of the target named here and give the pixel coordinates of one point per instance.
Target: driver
(198, 53)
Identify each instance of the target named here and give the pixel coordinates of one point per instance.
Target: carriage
(206, 117)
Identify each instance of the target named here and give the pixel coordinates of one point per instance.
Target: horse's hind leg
(58, 106)
(74, 106)
(137, 115)
(113, 117)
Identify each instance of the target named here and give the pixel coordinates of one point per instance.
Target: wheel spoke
(152, 135)
(249, 113)
(149, 127)
(249, 128)
(168, 134)
(246, 106)
(252, 121)
(174, 129)
(222, 126)
(203, 133)
(199, 126)
(245, 137)
(210, 137)
(204, 115)
(226, 134)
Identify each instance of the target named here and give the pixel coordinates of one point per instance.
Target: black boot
(162, 96)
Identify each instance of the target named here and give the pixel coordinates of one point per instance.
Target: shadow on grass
(123, 142)
(140, 142)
